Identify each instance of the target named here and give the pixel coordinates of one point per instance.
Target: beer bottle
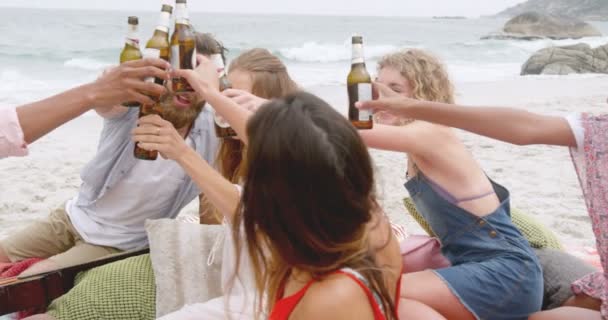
(157, 47)
(183, 46)
(359, 87)
(131, 49)
(222, 128)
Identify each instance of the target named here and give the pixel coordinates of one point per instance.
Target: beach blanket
(9, 273)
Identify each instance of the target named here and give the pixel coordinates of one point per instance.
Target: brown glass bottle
(157, 47)
(222, 128)
(183, 46)
(359, 85)
(131, 50)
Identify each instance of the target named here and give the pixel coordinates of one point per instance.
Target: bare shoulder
(336, 297)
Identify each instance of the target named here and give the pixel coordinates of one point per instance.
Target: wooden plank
(38, 291)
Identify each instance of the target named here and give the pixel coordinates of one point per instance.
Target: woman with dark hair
(318, 242)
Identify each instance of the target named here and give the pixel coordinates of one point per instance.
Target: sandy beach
(541, 179)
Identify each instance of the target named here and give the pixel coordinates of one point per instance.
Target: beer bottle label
(364, 93)
(175, 57)
(151, 53)
(221, 122)
(357, 55)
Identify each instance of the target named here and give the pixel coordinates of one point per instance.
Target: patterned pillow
(539, 236)
(120, 290)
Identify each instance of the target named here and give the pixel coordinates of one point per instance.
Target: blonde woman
(494, 274)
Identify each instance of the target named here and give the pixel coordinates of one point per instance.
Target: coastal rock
(534, 26)
(581, 9)
(580, 58)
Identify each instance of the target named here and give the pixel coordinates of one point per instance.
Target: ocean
(45, 51)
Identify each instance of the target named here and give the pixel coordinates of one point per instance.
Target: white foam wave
(86, 64)
(316, 52)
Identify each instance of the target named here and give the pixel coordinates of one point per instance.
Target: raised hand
(202, 79)
(245, 99)
(388, 101)
(126, 83)
(155, 134)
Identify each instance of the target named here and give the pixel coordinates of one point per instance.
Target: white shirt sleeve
(576, 125)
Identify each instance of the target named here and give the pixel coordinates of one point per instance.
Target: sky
(469, 8)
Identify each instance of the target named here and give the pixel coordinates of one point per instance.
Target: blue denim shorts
(495, 273)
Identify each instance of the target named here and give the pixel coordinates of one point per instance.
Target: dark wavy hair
(308, 197)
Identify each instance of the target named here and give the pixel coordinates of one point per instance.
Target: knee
(40, 267)
(3, 256)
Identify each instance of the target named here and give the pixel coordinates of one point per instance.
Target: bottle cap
(167, 8)
(133, 20)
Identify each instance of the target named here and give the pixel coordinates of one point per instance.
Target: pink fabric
(11, 135)
(591, 163)
(9, 270)
(14, 269)
(420, 253)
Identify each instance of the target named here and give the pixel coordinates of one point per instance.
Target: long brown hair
(307, 199)
(270, 80)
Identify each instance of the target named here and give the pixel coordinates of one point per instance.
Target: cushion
(119, 290)
(186, 259)
(560, 270)
(539, 236)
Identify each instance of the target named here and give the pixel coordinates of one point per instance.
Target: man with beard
(118, 191)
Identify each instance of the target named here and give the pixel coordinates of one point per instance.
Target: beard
(181, 116)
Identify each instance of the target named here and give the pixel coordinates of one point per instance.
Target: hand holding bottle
(153, 133)
(125, 83)
(388, 101)
(204, 79)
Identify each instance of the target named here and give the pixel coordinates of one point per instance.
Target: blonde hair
(426, 74)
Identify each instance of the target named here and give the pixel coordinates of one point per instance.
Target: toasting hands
(155, 134)
(389, 105)
(126, 83)
(203, 79)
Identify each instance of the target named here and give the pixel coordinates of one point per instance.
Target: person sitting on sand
(25, 124)
(584, 134)
(118, 191)
(495, 274)
(312, 228)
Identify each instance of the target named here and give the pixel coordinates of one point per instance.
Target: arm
(419, 138)
(220, 192)
(510, 125)
(506, 124)
(154, 133)
(118, 85)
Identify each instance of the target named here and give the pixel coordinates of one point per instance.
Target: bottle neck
(132, 36)
(357, 57)
(164, 21)
(219, 63)
(181, 13)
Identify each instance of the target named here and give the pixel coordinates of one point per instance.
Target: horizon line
(262, 13)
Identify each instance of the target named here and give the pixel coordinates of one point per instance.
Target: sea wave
(86, 64)
(328, 52)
